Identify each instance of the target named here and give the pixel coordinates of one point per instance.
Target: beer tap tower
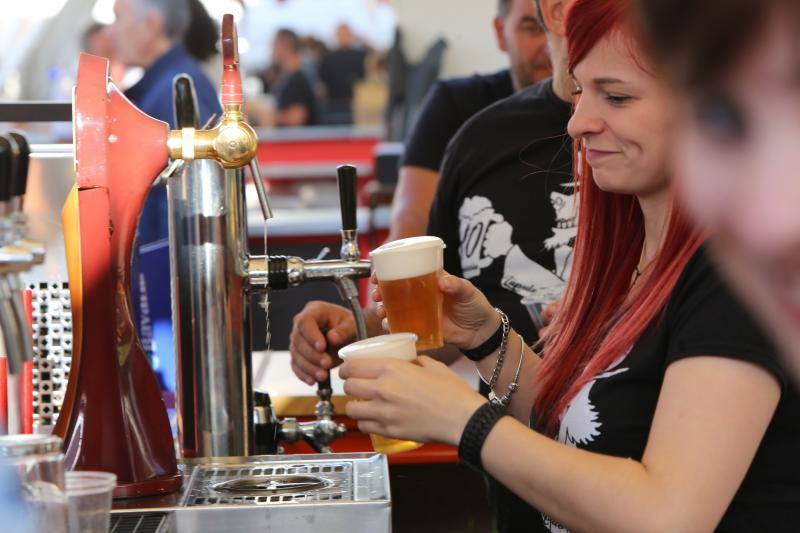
(113, 417)
(17, 254)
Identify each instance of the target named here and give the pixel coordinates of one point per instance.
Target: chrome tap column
(210, 311)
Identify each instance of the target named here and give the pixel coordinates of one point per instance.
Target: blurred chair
(380, 191)
(408, 84)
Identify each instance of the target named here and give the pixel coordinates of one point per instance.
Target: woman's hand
(468, 317)
(423, 402)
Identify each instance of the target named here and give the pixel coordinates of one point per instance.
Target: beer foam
(407, 258)
(393, 346)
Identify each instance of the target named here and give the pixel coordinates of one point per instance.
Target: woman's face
(623, 117)
(738, 163)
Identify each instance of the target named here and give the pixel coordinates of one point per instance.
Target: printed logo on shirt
(580, 424)
(485, 236)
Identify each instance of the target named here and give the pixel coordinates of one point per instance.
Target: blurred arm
(412, 202)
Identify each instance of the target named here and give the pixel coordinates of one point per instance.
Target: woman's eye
(618, 99)
(720, 117)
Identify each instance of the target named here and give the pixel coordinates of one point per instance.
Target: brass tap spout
(232, 142)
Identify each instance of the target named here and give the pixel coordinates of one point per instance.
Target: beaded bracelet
(505, 399)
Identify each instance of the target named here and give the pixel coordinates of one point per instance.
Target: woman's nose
(585, 119)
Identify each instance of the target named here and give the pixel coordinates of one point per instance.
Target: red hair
(601, 318)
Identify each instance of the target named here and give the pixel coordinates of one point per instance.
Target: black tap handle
(185, 101)
(20, 180)
(347, 177)
(6, 167)
(326, 383)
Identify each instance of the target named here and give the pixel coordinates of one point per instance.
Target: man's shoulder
(476, 84)
(521, 111)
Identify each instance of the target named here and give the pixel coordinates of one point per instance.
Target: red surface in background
(3, 396)
(355, 441)
(26, 385)
(300, 152)
(26, 388)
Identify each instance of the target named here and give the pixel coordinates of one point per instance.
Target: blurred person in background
(201, 41)
(450, 103)
(295, 101)
(736, 70)
(339, 71)
(312, 50)
(150, 34)
(97, 40)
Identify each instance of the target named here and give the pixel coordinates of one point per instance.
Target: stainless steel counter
(335, 493)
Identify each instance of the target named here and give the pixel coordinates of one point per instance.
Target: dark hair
(201, 37)
(175, 16)
(539, 14)
(503, 7)
(289, 37)
(697, 43)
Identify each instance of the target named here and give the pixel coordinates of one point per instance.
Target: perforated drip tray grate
(276, 483)
(139, 523)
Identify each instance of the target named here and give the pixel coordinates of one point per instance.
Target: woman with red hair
(656, 403)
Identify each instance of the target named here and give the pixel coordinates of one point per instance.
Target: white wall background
(465, 24)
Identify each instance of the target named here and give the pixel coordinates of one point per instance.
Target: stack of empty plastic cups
(32, 467)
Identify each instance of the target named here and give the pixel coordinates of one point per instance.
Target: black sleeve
(705, 318)
(297, 91)
(443, 220)
(436, 123)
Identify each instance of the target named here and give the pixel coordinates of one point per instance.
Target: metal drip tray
(337, 493)
(290, 482)
(271, 485)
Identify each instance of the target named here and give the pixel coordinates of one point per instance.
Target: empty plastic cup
(89, 500)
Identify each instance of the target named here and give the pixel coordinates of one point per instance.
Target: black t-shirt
(612, 415)
(294, 89)
(447, 106)
(505, 205)
(339, 70)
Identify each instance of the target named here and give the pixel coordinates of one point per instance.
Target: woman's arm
(711, 416)
(522, 401)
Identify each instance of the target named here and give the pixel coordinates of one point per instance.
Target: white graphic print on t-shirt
(580, 424)
(485, 236)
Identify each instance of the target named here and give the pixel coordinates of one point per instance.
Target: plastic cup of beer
(395, 346)
(408, 273)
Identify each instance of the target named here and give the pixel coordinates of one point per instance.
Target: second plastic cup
(408, 273)
(396, 346)
(89, 500)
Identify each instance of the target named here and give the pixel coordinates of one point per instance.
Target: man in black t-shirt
(450, 103)
(339, 71)
(295, 102)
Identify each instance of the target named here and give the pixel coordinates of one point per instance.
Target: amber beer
(408, 271)
(397, 346)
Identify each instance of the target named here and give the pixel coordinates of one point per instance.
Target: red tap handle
(231, 90)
